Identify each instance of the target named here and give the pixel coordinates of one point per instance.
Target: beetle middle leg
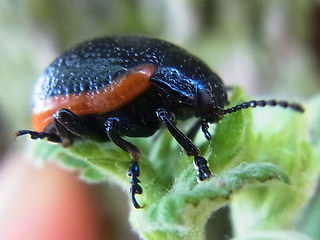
(185, 142)
(111, 126)
(78, 126)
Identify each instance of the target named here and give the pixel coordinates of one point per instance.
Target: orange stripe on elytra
(120, 92)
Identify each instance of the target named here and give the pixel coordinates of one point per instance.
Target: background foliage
(270, 48)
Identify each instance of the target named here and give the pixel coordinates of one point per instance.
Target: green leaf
(309, 220)
(232, 137)
(248, 149)
(273, 235)
(182, 211)
(281, 137)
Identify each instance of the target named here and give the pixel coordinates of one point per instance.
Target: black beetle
(130, 86)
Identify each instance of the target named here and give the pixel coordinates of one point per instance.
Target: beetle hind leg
(61, 130)
(200, 163)
(51, 137)
(111, 125)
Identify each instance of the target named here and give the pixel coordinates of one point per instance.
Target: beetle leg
(134, 172)
(204, 128)
(62, 130)
(195, 128)
(201, 164)
(65, 135)
(69, 124)
(185, 142)
(181, 138)
(52, 137)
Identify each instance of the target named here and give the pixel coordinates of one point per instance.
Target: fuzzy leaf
(280, 137)
(232, 136)
(178, 211)
(244, 154)
(274, 235)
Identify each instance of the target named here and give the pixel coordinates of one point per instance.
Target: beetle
(129, 86)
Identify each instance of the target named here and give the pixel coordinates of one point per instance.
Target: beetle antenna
(262, 103)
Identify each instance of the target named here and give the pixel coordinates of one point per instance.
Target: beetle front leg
(111, 125)
(200, 163)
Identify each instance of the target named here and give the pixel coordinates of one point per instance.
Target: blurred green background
(270, 48)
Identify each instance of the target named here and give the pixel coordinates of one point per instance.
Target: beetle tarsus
(204, 128)
(201, 165)
(134, 173)
(39, 135)
(33, 134)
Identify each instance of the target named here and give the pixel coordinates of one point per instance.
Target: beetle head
(206, 107)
